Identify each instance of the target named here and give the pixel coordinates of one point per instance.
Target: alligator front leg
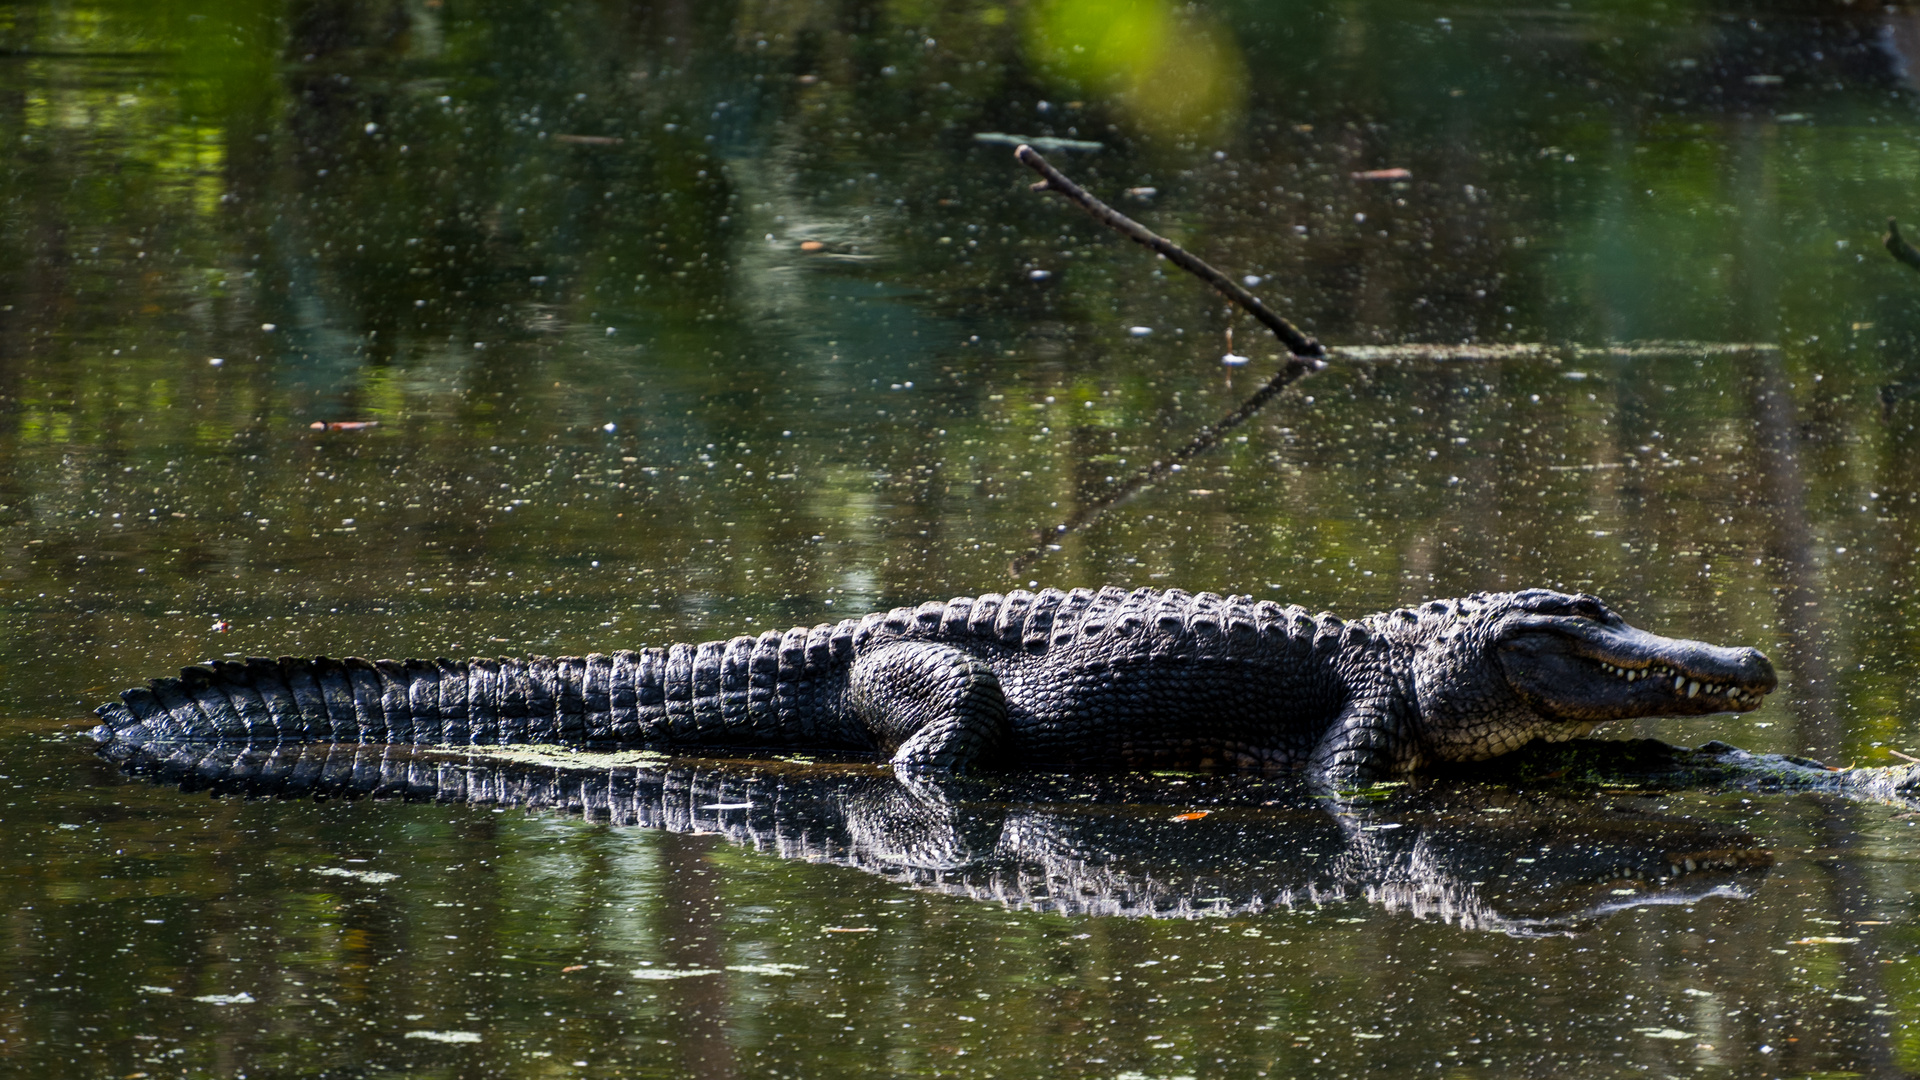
(1368, 741)
(933, 706)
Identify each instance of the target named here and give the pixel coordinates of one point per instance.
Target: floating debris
(1539, 350)
(343, 425)
(371, 877)
(1383, 174)
(1038, 142)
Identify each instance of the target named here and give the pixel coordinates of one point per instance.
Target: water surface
(688, 320)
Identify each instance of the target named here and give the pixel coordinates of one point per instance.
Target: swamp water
(623, 325)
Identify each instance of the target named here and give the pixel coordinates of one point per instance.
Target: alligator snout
(1757, 671)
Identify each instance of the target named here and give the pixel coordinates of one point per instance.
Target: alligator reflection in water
(1481, 856)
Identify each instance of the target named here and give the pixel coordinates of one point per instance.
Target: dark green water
(681, 319)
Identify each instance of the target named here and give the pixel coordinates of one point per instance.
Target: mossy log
(1650, 763)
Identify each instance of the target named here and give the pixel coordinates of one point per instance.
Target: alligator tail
(414, 701)
(744, 692)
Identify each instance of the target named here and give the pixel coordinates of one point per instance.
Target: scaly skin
(1101, 678)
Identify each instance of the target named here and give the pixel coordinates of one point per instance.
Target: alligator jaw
(1580, 670)
(1674, 683)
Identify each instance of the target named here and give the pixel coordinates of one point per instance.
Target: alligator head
(1495, 671)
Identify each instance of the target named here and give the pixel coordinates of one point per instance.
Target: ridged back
(1170, 622)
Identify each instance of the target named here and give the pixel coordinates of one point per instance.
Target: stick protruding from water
(1297, 342)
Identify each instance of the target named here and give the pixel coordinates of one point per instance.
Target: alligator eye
(1588, 608)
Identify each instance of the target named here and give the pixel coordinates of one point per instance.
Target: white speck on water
(446, 1036)
(1140, 331)
(371, 877)
(1040, 275)
(216, 361)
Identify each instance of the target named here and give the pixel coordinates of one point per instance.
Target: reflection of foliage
(1177, 76)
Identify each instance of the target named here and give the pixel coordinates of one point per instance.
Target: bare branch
(1297, 343)
(1305, 354)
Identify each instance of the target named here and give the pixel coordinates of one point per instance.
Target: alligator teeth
(1682, 684)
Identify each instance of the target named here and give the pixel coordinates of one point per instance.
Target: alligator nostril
(1762, 668)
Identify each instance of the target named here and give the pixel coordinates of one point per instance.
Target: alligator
(1479, 856)
(1095, 678)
